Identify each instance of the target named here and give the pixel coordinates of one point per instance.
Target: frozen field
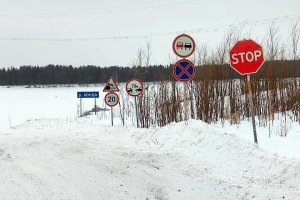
(20, 104)
(48, 153)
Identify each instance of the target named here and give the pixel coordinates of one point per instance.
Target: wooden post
(136, 113)
(185, 102)
(252, 107)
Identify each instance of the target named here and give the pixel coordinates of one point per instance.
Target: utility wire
(191, 31)
(70, 12)
(100, 11)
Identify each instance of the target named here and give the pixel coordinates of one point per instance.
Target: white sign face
(111, 86)
(183, 46)
(111, 99)
(134, 87)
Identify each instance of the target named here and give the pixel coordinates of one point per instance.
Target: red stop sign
(246, 57)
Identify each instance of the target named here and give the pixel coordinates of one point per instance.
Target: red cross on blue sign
(184, 70)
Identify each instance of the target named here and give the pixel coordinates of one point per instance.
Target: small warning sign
(111, 85)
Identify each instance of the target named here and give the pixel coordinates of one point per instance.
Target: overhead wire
(126, 7)
(156, 34)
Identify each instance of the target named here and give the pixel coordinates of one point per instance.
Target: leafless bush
(217, 93)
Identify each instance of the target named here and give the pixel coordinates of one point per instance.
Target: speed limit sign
(111, 99)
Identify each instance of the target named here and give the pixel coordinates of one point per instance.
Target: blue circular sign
(184, 70)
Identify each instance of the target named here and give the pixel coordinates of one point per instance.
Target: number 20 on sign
(111, 99)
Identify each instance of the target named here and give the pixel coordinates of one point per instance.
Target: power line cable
(96, 11)
(155, 34)
(76, 11)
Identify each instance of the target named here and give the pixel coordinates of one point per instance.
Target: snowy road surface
(86, 159)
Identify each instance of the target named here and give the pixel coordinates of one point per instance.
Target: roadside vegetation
(216, 94)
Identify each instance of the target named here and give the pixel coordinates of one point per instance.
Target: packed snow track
(86, 159)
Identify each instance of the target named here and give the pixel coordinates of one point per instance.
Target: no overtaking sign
(183, 45)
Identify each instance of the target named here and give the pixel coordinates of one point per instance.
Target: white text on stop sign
(243, 56)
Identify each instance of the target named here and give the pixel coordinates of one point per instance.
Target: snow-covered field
(20, 104)
(48, 153)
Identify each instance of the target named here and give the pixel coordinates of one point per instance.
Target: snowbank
(89, 159)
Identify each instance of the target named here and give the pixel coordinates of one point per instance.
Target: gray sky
(103, 19)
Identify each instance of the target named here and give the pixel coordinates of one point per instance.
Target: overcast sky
(104, 19)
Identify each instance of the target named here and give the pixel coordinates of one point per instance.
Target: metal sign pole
(80, 107)
(136, 113)
(112, 117)
(185, 103)
(252, 107)
(111, 99)
(95, 107)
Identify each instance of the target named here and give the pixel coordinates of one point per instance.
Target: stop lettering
(246, 57)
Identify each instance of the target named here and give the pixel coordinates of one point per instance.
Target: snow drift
(89, 159)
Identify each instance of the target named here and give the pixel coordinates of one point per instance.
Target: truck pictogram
(187, 46)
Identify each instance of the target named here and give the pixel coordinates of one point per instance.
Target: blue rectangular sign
(87, 94)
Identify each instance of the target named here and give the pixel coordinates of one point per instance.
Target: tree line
(60, 74)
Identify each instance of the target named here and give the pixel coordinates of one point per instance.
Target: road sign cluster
(184, 69)
(246, 57)
(111, 98)
(134, 87)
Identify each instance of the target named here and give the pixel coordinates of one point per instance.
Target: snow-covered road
(87, 159)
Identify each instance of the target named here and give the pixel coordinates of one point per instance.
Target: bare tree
(171, 58)
(273, 42)
(231, 37)
(140, 57)
(138, 61)
(147, 51)
(294, 39)
(283, 52)
(143, 55)
(202, 54)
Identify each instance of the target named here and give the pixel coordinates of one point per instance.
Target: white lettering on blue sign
(87, 94)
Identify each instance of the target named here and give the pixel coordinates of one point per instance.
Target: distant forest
(59, 74)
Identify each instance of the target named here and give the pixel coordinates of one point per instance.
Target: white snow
(86, 158)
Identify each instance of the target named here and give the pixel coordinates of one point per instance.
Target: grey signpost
(184, 70)
(111, 99)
